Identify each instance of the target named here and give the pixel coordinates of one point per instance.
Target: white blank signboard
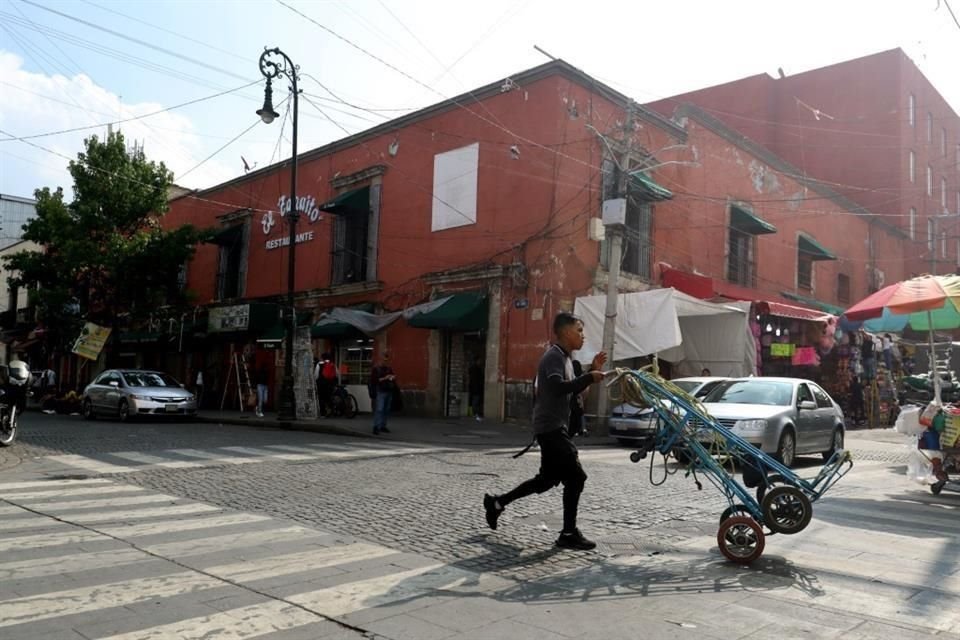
(455, 187)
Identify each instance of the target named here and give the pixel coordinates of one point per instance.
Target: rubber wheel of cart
(772, 480)
(734, 510)
(682, 456)
(786, 510)
(740, 539)
(937, 487)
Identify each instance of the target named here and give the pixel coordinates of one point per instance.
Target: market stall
(687, 332)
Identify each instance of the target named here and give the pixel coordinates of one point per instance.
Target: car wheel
(836, 444)
(787, 449)
(123, 410)
(88, 412)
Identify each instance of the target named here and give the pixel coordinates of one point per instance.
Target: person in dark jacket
(475, 388)
(383, 382)
(559, 460)
(576, 405)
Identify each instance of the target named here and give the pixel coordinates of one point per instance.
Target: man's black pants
(559, 463)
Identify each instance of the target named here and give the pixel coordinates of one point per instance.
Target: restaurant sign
(306, 205)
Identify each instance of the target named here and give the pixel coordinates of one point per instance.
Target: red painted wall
(534, 211)
(847, 124)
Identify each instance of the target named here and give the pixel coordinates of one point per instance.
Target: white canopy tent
(691, 334)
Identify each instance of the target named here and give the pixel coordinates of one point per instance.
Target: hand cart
(783, 503)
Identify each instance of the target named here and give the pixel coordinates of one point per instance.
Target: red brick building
(488, 197)
(873, 128)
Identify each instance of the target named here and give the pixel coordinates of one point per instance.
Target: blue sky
(108, 60)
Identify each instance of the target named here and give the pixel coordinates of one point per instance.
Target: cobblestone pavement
(417, 509)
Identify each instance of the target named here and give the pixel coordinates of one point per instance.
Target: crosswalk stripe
(88, 599)
(213, 458)
(30, 522)
(372, 592)
(155, 461)
(212, 544)
(235, 624)
(48, 539)
(89, 464)
(179, 525)
(69, 492)
(124, 515)
(274, 566)
(63, 565)
(15, 486)
(263, 453)
(100, 503)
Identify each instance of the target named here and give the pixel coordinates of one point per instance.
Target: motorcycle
(14, 385)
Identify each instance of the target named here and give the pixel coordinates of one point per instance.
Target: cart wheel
(740, 539)
(771, 481)
(737, 509)
(937, 487)
(786, 510)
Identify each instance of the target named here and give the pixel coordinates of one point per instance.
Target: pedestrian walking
(260, 379)
(857, 409)
(576, 405)
(559, 460)
(326, 375)
(382, 385)
(475, 388)
(888, 351)
(198, 388)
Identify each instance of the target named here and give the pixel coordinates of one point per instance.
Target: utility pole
(614, 233)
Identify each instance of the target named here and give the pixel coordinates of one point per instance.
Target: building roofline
(5, 196)
(733, 136)
(552, 68)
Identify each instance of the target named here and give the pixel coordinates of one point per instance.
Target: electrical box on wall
(595, 230)
(615, 211)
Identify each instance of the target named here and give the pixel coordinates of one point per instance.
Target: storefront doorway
(461, 351)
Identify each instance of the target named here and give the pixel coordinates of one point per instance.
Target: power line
(138, 41)
(946, 3)
(125, 120)
(171, 32)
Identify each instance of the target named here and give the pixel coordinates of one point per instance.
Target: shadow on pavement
(915, 514)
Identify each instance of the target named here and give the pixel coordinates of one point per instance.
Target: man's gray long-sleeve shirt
(551, 410)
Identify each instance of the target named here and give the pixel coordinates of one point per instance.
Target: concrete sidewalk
(461, 431)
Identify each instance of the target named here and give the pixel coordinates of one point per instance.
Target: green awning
(276, 333)
(814, 249)
(813, 302)
(139, 337)
(462, 312)
(340, 330)
(645, 188)
(278, 330)
(354, 201)
(745, 221)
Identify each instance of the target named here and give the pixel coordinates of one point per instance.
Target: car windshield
(687, 385)
(149, 379)
(753, 392)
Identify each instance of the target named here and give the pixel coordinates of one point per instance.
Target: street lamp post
(275, 68)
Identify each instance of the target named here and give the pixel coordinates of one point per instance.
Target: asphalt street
(182, 530)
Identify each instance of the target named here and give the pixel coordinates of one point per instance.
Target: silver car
(783, 416)
(630, 424)
(128, 393)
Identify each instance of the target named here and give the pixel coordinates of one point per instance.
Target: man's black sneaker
(575, 540)
(493, 513)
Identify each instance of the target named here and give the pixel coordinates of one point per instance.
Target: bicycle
(342, 403)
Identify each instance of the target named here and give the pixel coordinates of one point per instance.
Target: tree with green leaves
(104, 257)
